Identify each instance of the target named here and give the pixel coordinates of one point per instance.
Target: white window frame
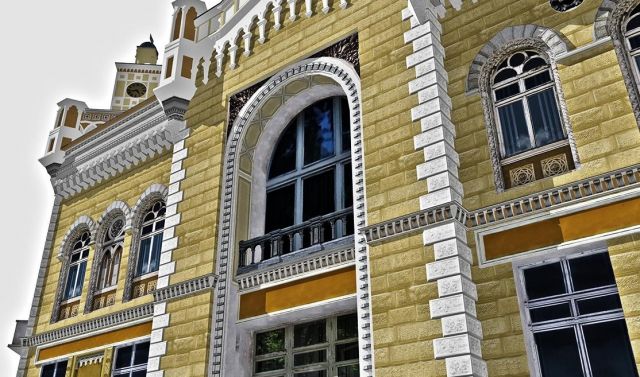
(131, 369)
(523, 96)
(330, 365)
(57, 364)
(301, 172)
(80, 260)
(151, 235)
(549, 258)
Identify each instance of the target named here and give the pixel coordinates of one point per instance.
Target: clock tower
(135, 82)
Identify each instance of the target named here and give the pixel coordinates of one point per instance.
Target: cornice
(185, 288)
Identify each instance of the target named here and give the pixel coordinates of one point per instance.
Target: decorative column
(460, 345)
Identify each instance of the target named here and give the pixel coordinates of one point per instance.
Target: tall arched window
(112, 246)
(151, 239)
(190, 24)
(77, 266)
(631, 31)
(532, 137)
(177, 25)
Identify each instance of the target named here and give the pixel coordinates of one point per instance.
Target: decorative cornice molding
(185, 288)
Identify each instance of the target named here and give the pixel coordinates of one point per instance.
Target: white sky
(52, 50)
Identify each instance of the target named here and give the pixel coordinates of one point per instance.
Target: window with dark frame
(323, 348)
(574, 314)
(131, 360)
(631, 32)
(151, 239)
(57, 369)
(77, 266)
(110, 264)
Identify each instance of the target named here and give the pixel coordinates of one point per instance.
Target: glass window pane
(268, 365)
(279, 213)
(504, 75)
(318, 373)
(545, 117)
(75, 257)
(348, 185)
(507, 91)
(147, 229)
(346, 124)
(349, 371)
(599, 304)
(154, 263)
(139, 373)
(552, 312)
(71, 278)
(537, 80)
(48, 370)
(534, 63)
(284, 157)
(513, 124)
(348, 351)
(143, 256)
(347, 326)
(318, 131)
(309, 334)
(269, 342)
(544, 281)
(637, 60)
(77, 289)
(634, 42)
(123, 357)
(121, 375)
(558, 353)
(609, 349)
(591, 271)
(61, 368)
(142, 353)
(319, 195)
(308, 358)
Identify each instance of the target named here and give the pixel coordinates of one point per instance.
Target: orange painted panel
(307, 291)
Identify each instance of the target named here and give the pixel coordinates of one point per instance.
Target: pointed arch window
(77, 266)
(112, 245)
(151, 239)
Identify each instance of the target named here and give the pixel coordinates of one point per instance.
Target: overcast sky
(52, 50)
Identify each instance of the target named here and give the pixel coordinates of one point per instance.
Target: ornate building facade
(346, 188)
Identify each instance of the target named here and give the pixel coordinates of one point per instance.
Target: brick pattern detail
(460, 345)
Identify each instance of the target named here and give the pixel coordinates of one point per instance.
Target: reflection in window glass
(279, 213)
(319, 195)
(284, 157)
(318, 131)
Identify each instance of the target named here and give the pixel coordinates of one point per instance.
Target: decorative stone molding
(603, 16)
(418, 8)
(442, 217)
(344, 75)
(83, 223)
(186, 288)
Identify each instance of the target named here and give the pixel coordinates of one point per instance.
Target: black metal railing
(297, 237)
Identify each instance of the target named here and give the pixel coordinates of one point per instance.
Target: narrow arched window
(190, 24)
(631, 31)
(77, 266)
(177, 25)
(112, 245)
(151, 239)
(71, 118)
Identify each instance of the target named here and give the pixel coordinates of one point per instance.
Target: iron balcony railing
(297, 237)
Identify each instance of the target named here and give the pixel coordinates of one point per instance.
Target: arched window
(151, 239)
(112, 246)
(72, 117)
(631, 31)
(532, 137)
(177, 25)
(190, 24)
(77, 266)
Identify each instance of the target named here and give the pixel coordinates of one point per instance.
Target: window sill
(106, 290)
(70, 301)
(534, 152)
(145, 276)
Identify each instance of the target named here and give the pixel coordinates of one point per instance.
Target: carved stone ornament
(564, 5)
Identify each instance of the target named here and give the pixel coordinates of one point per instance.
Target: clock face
(136, 90)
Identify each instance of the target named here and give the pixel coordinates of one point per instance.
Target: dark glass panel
(634, 42)
(318, 131)
(121, 375)
(507, 91)
(534, 63)
(269, 342)
(549, 313)
(505, 74)
(544, 281)
(637, 59)
(85, 254)
(591, 271)
(308, 358)
(346, 124)
(71, 278)
(148, 217)
(284, 157)
(558, 353)
(159, 225)
(503, 64)
(61, 370)
(537, 80)
(142, 354)
(48, 370)
(347, 326)
(599, 304)
(143, 256)
(633, 23)
(318, 373)
(269, 365)
(123, 357)
(609, 349)
(348, 351)
(545, 117)
(348, 185)
(82, 267)
(517, 59)
(139, 373)
(319, 195)
(154, 263)
(75, 257)
(515, 134)
(147, 229)
(309, 334)
(280, 204)
(349, 371)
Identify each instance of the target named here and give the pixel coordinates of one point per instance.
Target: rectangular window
(515, 133)
(574, 315)
(131, 360)
(58, 369)
(327, 347)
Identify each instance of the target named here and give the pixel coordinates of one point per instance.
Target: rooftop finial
(151, 38)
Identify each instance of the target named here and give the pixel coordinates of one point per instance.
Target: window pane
(61, 369)
(346, 124)
(147, 229)
(309, 334)
(544, 281)
(139, 373)
(318, 373)
(609, 349)
(142, 354)
(347, 326)
(591, 271)
(279, 212)
(71, 278)
(284, 157)
(637, 59)
(269, 342)
(77, 290)
(348, 186)
(634, 42)
(504, 75)
(558, 353)
(349, 371)
(599, 304)
(308, 358)
(507, 91)
(537, 80)
(155, 253)
(123, 357)
(318, 131)
(319, 195)
(347, 351)
(549, 313)
(545, 118)
(514, 128)
(143, 256)
(48, 370)
(268, 365)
